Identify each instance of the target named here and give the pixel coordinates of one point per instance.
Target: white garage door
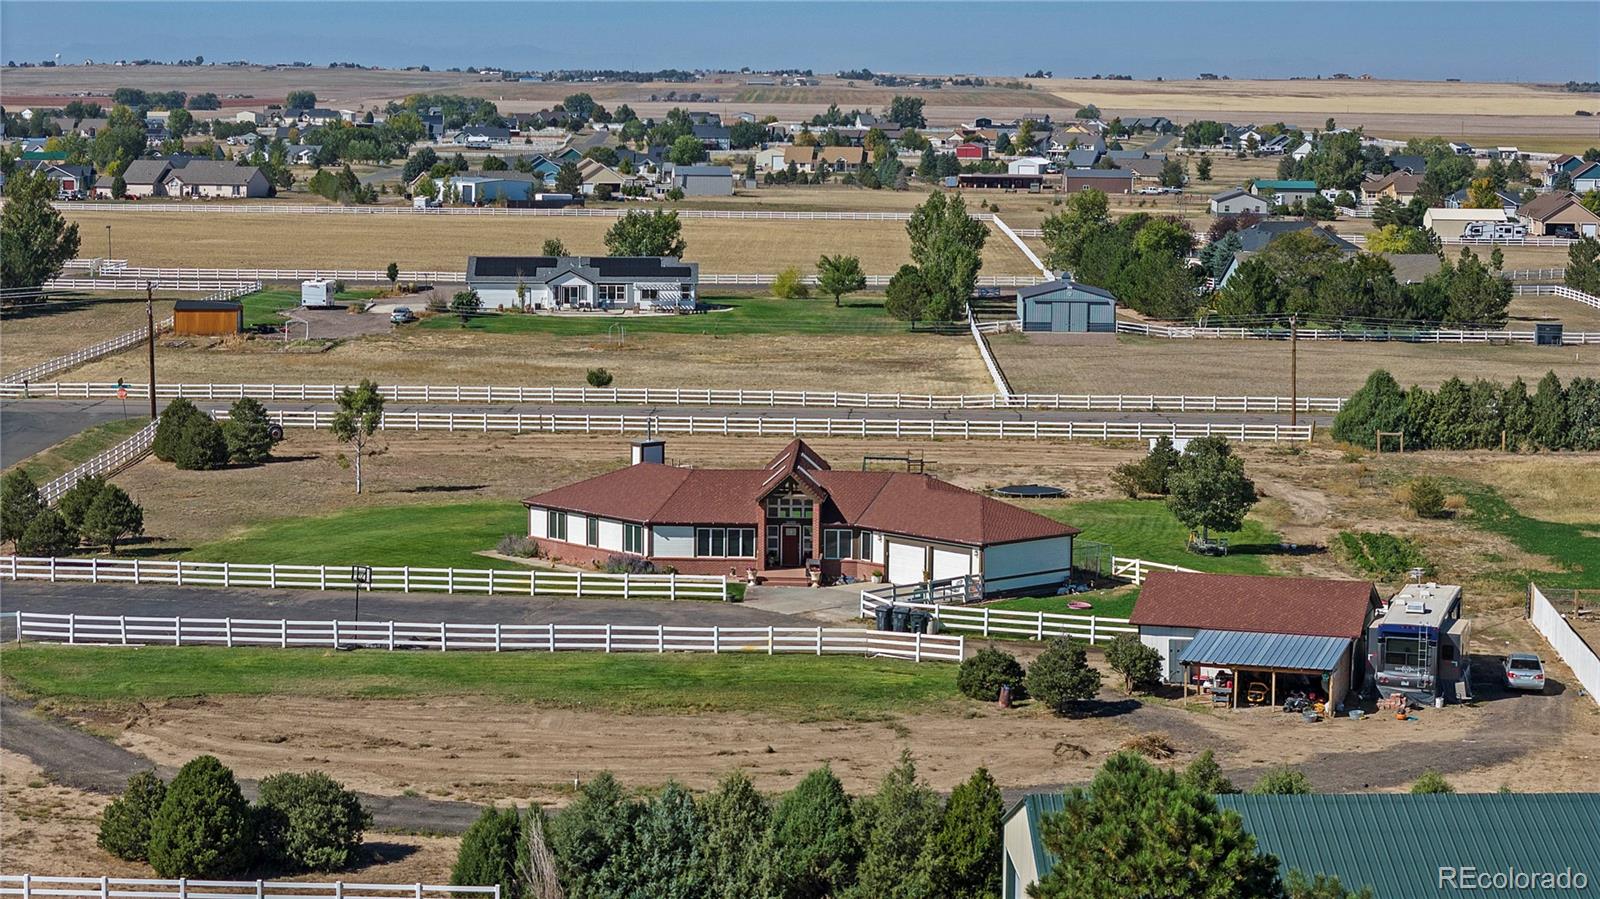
(905, 563)
(949, 563)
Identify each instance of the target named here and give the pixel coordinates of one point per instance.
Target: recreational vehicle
(1417, 645)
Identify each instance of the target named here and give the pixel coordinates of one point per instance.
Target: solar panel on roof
(511, 266)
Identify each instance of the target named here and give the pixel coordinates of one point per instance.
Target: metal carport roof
(1245, 649)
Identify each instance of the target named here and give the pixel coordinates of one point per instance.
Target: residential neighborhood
(1124, 451)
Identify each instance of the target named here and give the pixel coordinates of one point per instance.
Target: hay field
(900, 362)
(1136, 365)
(216, 240)
(32, 334)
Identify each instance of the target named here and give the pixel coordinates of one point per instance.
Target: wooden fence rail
(674, 396)
(530, 582)
(763, 426)
(29, 886)
(125, 630)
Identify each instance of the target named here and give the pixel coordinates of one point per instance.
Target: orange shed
(207, 318)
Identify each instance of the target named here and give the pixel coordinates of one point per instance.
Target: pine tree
(591, 837)
(19, 503)
(126, 823)
(1583, 413)
(487, 855)
(203, 828)
(662, 860)
(1486, 420)
(1061, 677)
(962, 856)
(893, 826)
(809, 849)
(47, 535)
(248, 432)
(1549, 429)
(1205, 775)
(1516, 412)
(733, 818)
(1378, 406)
(75, 503)
(1448, 426)
(169, 429)
(112, 517)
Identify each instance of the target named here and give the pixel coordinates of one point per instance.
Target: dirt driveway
(335, 324)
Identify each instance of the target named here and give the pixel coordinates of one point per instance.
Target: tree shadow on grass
(443, 488)
(381, 853)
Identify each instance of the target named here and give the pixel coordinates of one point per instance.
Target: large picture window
(556, 524)
(633, 539)
(732, 543)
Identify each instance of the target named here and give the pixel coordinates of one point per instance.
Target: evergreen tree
(893, 826)
(19, 503)
(310, 821)
(1209, 489)
(733, 819)
(201, 445)
(35, 239)
(112, 517)
(1299, 886)
(907, 294)
(1583, 413)
(248, 433)
(169, 428)
(1138, 664)
(1486, 419)
(1139, 831)
(663, 858)
(809, 849)
(1282, 781)
(47, 535)
(590, 839)
(1549, 424)
(962, 856)
(487, 855)
(1379, 405)
(1205, 775)
(126, 823)
(1516, 412)
(203, 827)
(1449, 420)
(1061, 677)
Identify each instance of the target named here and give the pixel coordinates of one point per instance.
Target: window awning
(1243, 649)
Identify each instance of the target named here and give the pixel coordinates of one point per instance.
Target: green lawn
(806, 687)
(1574, 548)
(743, 315)
(263, 306)
(422, 536)
(79, 448)
(1114, 603)
(1144, 529)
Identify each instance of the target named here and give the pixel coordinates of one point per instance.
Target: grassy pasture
(80, 448)
(32, 334)
(780, 686)
(443, 243)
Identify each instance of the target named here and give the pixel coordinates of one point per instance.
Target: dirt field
(444, 243)
(33, 334)
(908, 363)
(50, 829)
(1138, 365)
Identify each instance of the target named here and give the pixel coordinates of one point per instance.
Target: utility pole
(1293, 370)
(150, 324)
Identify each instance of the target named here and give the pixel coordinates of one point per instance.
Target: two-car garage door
(910, 563)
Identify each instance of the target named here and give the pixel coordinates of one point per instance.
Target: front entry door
(789, 547)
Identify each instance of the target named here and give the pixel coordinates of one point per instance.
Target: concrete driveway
(828, 605)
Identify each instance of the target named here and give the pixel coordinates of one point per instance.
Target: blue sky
(1489, 41)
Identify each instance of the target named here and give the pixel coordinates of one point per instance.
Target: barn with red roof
(799, 512)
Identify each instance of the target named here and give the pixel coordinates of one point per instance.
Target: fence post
(918, 645)
(283, 633)
(1092, 629)
(272, 575)
(338, 889)
(626, 584)
(179, 565)
(444, 637)
(322, 578)
(27, 886)
(405, 579)
(94, 569)
(336, 631)
(52, 569)
(716, 640)
(183, 888)
(391, 635)
(136, 571)
(261, 889)
(661, 638)
(450, 580)
(608, 636)
(105, 887)
(1041, 625)
(497, 636)
(227, 574)
(819, 640)
(122, 629)
(769, 639)
(533, 582)
(72, 628)
(491, 582)
(227, 631)
(672, 587)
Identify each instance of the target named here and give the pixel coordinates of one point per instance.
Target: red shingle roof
(1255, 603)
(914, 505)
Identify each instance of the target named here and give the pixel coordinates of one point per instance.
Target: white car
(1524, 671)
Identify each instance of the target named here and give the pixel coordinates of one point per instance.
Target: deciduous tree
(946, 245)
(641, 233)
(359, 413)
(1209, 488)
(839, 275)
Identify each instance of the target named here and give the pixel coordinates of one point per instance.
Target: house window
(614, 293)
(737, 543)
(836, 543)
(633, 539)
(798, 507)
(556, 524)
(647, 293)
(591, 531)
(864, 546)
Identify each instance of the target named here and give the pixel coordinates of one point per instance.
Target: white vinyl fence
(1353, 334)
(114, 345)
(441, 636)
(1135, 570)
(530, 582)
(1557, 290)
(1566, 641)
(135, 278)
(28, 886)
(996, 375)
(107, 463)
(674, 396)
(224, 207)
(1027, 251)
(1555, 273)
(763, 426)
(991, 622)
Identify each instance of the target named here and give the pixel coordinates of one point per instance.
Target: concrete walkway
(829, 605)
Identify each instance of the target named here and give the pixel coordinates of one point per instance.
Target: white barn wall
(1169, 641)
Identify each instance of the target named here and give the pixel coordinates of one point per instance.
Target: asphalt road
(218, 602)
(112, 408)
(28, 427)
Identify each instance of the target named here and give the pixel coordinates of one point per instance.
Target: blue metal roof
(1300, 652)
(1399, 844)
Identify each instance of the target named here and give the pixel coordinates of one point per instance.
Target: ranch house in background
(796, 514)
(1238, 200)
(209, 178)
(1284, 192)
(604, 283)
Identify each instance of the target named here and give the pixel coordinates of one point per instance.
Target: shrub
(517, 545)
(170, 428)
(47, 535)
(1383, 556)
(1139, 665)
(126, 823)
(200, 445)
(1423, 497)
(789, 284)
(19, 503)
(981, 676)
(75, 503)
(618, 563)
(1431, 782)
(1148, 475)
(248, 433)
(203, 826)
(113, 516)
(1282, 781)
(1061, 677)
(310, 821)
(1205, 775)
(599, 377)
(488, 853)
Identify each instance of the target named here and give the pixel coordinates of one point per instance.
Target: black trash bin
(884, 617)
(901, 620)
(918, 621)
